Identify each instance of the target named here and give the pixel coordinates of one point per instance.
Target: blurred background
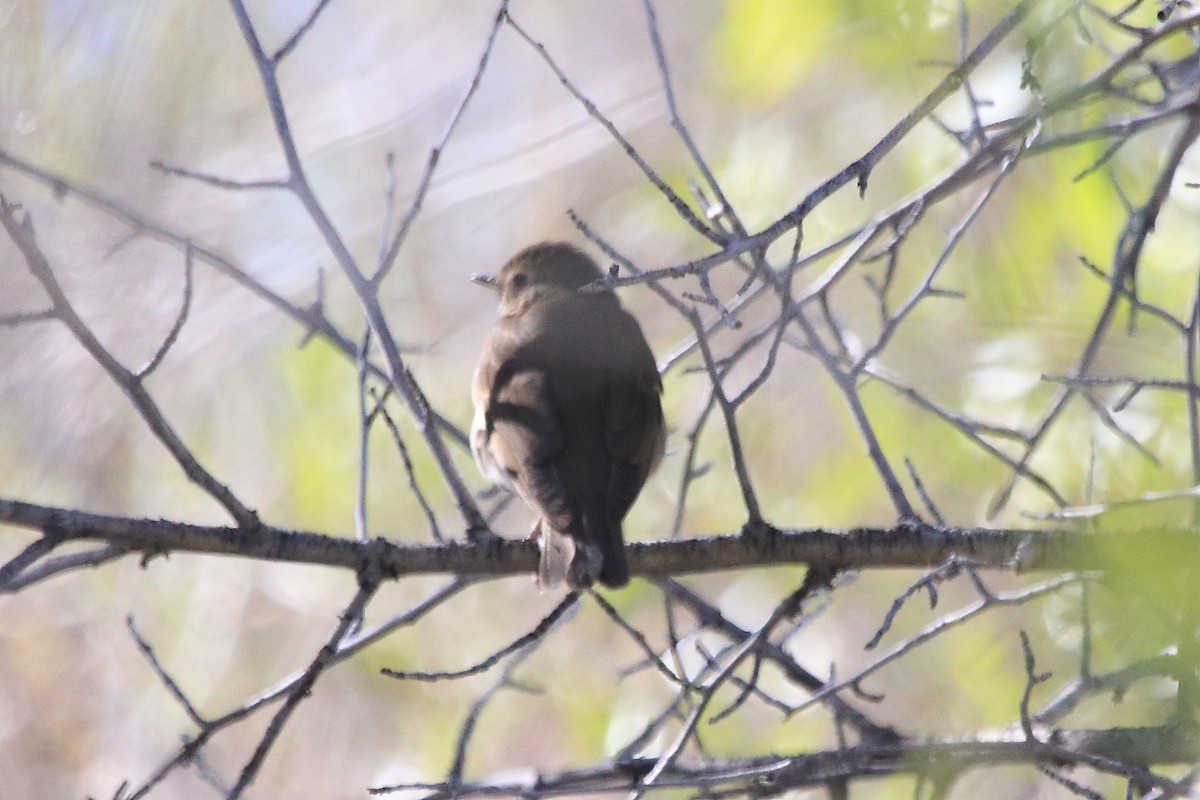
(779, 96)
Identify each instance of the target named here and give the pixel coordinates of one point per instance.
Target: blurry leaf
(991, 676)
(903, 37)
(323, 440)
(1030, 265)
(764, 47)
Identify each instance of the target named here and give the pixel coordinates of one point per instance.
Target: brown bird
(567, 411)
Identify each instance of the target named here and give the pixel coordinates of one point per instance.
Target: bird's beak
(485, 280)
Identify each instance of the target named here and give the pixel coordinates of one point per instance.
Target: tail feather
(614, 572)
(594, 551)
(604, 533)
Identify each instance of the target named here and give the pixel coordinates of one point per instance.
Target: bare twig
(398, 372)
(941, 626)
(348, 648)
(216, 180)
(21, 232)
(409, 469)
(388, 259)
(677, 203)
(538, 632)
(365, 418)
(296, 36)
(1032, 679)
(180, 319)
(350, 619)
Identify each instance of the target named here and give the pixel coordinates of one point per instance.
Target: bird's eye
(518, 281)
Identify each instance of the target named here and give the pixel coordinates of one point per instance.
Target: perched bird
(567, 411)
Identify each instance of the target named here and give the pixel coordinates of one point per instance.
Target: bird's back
(574, 420)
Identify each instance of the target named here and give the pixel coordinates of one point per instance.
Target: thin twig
(216, 180)
(21, 232)
(350, 619)
(365, 418)
(388, 259)
(365, 289)
(409, 470)
(181, 318)
(295, 38)
(677, 203)
(538, 632)
(939, 627)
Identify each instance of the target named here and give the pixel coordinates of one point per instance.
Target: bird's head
(543, 270)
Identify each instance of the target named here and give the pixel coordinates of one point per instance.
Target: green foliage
(321, 449)
(764, 47)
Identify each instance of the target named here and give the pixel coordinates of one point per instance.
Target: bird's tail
(597, 552)
(603, 535)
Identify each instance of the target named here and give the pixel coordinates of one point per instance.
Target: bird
(568, 411)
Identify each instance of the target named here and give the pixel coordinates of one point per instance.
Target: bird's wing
(634, 429)
(526, 438)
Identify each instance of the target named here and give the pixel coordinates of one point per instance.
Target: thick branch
(902, 546)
